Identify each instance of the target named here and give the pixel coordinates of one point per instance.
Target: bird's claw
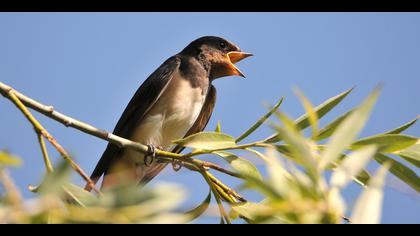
(150, 155)
(176, 165)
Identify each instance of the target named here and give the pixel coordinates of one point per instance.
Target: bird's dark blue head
(213, 42)
(219, 53)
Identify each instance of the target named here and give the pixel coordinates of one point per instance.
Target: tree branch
(84, 127)
(39, 129)
(49, 111)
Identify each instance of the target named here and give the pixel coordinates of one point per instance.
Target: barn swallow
(175, 101)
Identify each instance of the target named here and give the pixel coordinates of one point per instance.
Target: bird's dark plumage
(142, 101)
(202, 61)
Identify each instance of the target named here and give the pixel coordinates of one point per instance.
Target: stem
(225, 188)
(213, 166)
(216, 196)
(42, 131)
(197, 165)
(47, 161)
(21, 101)
(112, 138)
(76, 124)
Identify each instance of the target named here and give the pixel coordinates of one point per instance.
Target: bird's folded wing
(144, 98)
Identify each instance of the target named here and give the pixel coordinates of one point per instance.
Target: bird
(175, 101)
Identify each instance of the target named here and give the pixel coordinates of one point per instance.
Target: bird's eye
(223, 45)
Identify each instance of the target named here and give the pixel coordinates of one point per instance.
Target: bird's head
(218, 54)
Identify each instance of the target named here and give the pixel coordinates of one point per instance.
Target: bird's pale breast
(170, 118)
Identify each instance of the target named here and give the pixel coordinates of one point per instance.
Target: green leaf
(412, 161)
(321, 110)
(401, 171)
(218, 127)
(251, 210)
(387, 142)
(200, 209)
(279, 176)
(152, 200)
(240, 164)
(329, 129)
(207, 141)
(402, 127)
(284, 149)
(259, 122)
(9, 160)
(368, 207)
(411, 154)
(53, 182)
(362, 178)
(352, 165)
(79, 195)
(262, 186)
(312, 116)
(298, 145)
(348, 130)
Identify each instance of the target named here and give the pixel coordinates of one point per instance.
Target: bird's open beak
(235, 57)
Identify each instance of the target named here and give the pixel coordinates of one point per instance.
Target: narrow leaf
(411, 154)
(312, 116)
(329, 129)
(259, 122)
(351, 166)
(321, 110)
(251, 210)
(79, 195)
(54, 181)
(368, 207)
(414, 162)
(207, 141)
(240, 164)
(279, 177)
(348, 130)
(218, 127)
(298, 145)
(402, 127)
(200, 209)
(362, 178)
(401, 171)
(387, 142)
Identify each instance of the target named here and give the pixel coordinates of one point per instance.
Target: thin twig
(44, 151)
(41, 130)
(112, 138)
(216, 167)
(119, 141)
(226, 188)
(84, 127)
(195, 165)
(216, 195)
(213, 187)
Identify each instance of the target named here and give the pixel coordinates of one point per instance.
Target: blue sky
(88, 65)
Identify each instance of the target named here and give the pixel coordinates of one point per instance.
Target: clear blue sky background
(88, 65)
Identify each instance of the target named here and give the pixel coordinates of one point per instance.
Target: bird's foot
(176, 165)
(150, 155)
